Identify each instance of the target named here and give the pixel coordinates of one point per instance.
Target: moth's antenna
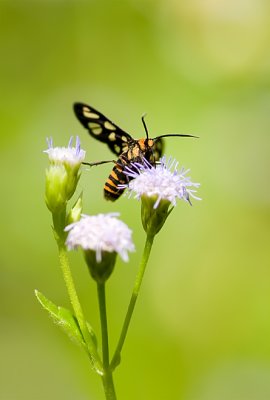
(144, 124)
(175, 134)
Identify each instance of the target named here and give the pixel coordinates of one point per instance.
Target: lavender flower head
(101, 233)
(164, 181)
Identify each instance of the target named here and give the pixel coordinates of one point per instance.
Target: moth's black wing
(101, 128)
(158, 149)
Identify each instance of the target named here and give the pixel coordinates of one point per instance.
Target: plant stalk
(92, 351)
(138, 281)
(107, 378)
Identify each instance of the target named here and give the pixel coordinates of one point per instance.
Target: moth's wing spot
(117, 148)
(109, 125)
(125, 148)
(95, 128)
(112, 136)
(93, 115)
(89, 114)
(124, 138)
(85, 109)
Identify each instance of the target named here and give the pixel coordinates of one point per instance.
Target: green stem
(92, 351)
(103, 323)
(107, 377)
(59, 222)
(138, 281)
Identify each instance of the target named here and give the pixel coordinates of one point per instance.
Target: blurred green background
(201, 329)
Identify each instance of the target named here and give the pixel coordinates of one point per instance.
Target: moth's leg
(99, 163)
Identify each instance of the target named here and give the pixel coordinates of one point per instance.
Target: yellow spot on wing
(117, 148)
(89, 114)
(109, 126)
(96, 129)
(112, 136)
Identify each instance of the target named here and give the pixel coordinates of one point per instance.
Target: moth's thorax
(138, 149)
(145, 144)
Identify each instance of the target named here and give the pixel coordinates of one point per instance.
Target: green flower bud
(63, 174)
(153, 219)
(100, 270)
(55, 187)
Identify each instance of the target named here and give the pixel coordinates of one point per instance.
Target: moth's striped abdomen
(117, 177)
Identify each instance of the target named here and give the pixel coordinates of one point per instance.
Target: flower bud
(153, 219)
(63, 174)
(55, 187)
(100, 270)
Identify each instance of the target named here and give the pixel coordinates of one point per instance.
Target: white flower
(100, 233)
(72, 156)
(163, 181)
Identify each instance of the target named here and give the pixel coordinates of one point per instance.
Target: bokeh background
(201, 329)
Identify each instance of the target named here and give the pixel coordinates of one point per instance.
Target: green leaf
(65, 319)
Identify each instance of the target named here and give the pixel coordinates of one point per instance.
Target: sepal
(74, 214)
(100, 270)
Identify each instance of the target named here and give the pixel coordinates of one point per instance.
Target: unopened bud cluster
(62, 174)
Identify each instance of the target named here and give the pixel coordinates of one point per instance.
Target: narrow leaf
(64, 318)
